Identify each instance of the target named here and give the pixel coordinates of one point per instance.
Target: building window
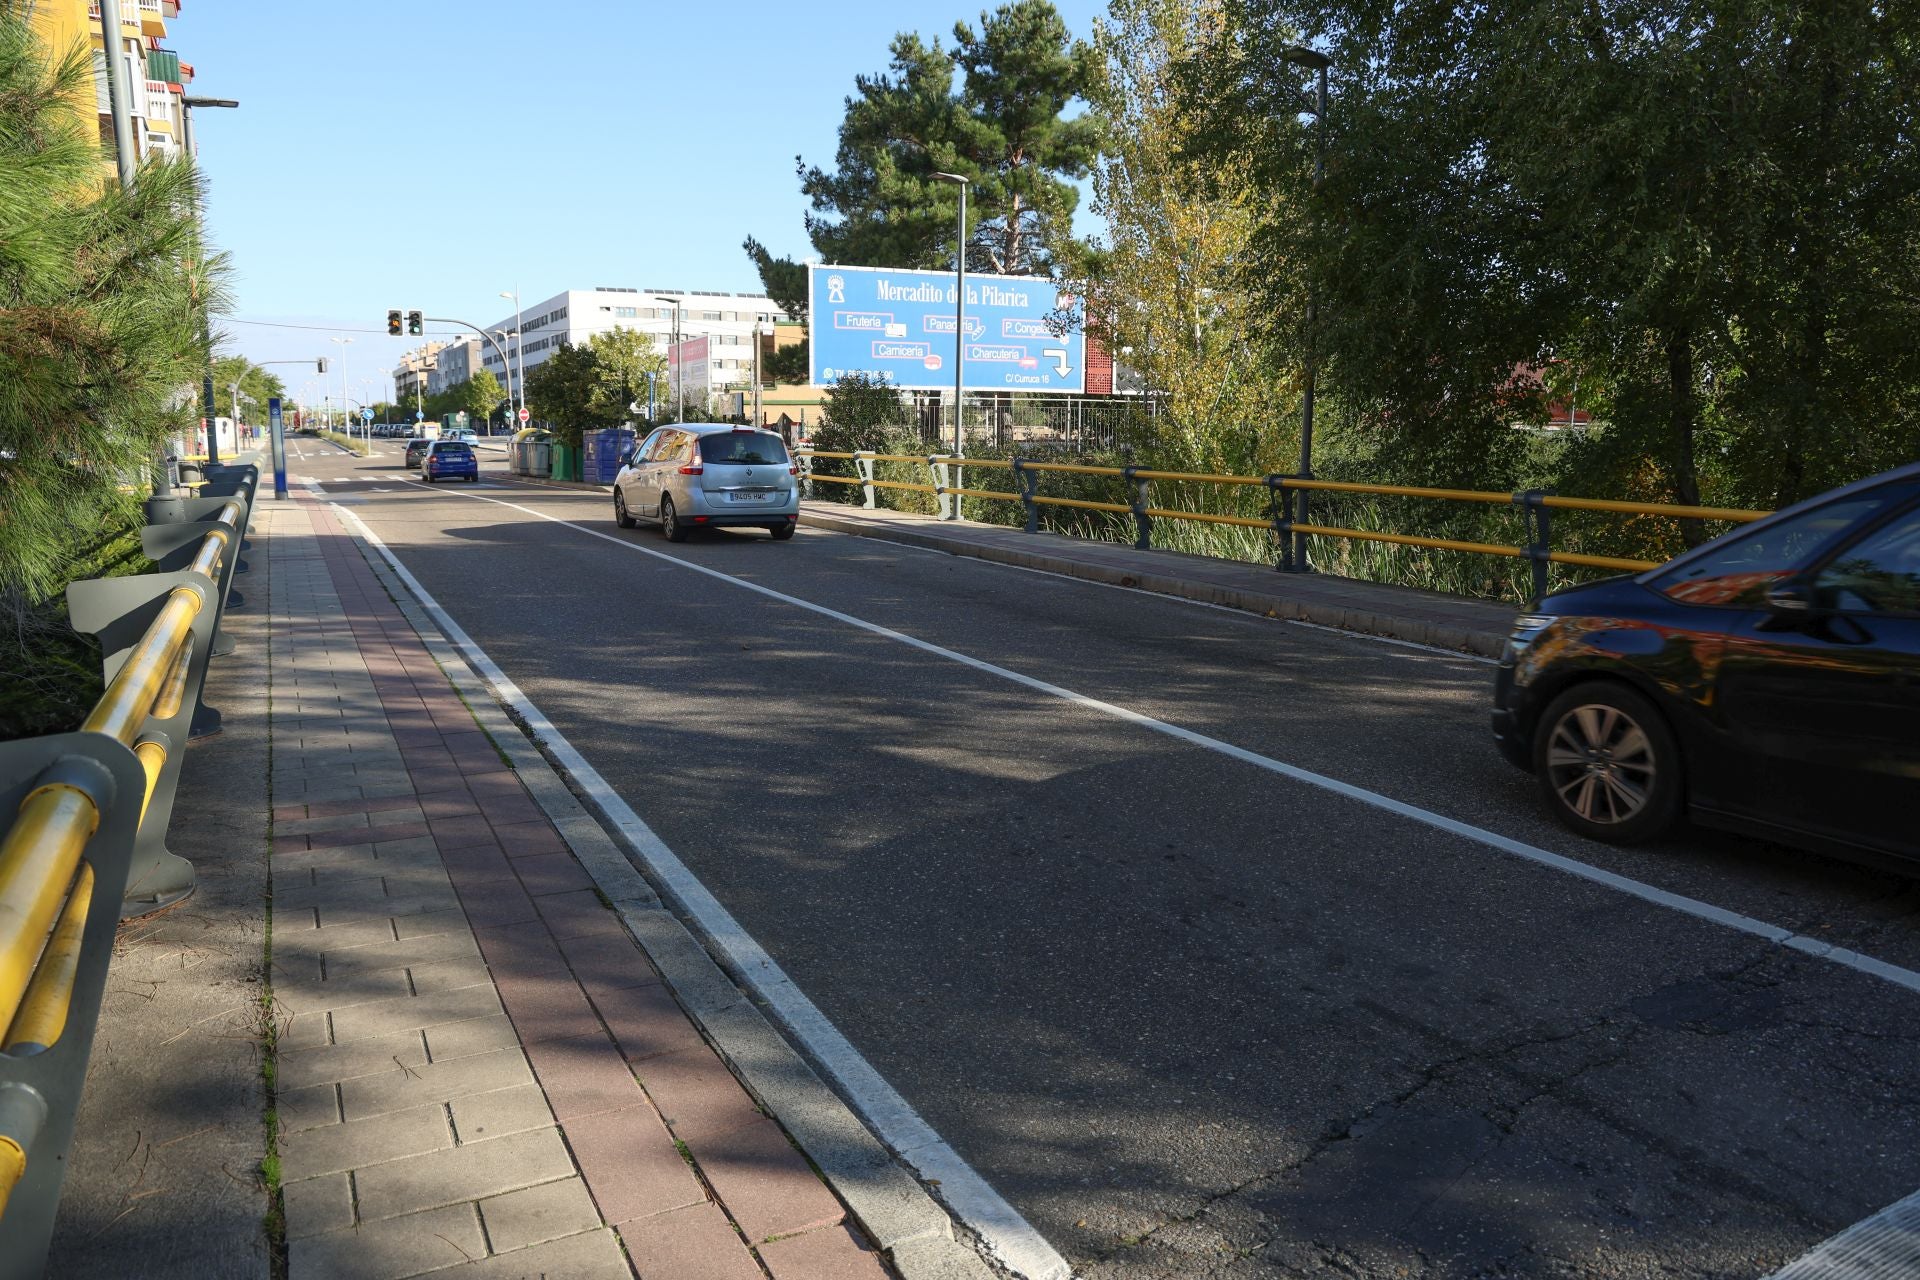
(627, 312)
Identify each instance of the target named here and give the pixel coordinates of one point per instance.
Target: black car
(1767, 682)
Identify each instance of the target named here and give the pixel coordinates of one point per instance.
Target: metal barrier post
(1279, 511)
(1029, 485)
(806, 474)
(40, 1085)
(173, 547)
(949, 503)
(1539, 530)
(1142, 522)
(118, 611)
(863, 463)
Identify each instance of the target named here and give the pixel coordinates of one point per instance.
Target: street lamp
(674, 360)
(187, 106)
(342, 343)
(519, 347)
(1313, 59)
(959, 326)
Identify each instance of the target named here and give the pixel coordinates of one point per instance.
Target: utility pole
(674, 360)
(187, 106)
(959, 335)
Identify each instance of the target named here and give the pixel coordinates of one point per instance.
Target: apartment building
(155, 76)
(455, 363)
(727, 320)
(412, 377)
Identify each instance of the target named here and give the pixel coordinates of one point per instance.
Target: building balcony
(159, 106)
(148, 16)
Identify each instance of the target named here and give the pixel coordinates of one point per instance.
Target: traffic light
(320, 365)
(415, 325)
(393, 324)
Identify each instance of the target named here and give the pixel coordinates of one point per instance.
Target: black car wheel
(781, 532)
(670, 521)
(621, 516)
(1608, 764)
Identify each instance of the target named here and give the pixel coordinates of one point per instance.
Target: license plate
(749, 495)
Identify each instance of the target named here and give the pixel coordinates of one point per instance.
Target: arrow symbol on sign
(1060, 364)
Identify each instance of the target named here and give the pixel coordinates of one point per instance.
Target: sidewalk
(1424, 617)
(478, 1071)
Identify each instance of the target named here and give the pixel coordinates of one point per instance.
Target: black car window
(1878, 574)
(1736, 573)
(647, 446)
(743, 448)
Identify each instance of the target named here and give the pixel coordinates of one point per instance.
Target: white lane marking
(1241, 615)
(1491, 839)
(1879, 1247)
(1007, 1234)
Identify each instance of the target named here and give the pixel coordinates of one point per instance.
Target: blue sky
(562, 144)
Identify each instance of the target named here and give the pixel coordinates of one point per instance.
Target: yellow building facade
(156, 78)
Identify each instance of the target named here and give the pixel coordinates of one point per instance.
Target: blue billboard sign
(897, 327)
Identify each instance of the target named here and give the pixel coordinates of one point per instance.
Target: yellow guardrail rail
(1286, 520)
(46, 886)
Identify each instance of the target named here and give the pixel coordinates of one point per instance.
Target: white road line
(1491, 839)
(1001, 1227)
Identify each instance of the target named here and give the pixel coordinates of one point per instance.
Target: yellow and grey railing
(83, 840)
(1286, 515)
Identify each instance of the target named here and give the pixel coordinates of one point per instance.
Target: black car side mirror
(1791, 599)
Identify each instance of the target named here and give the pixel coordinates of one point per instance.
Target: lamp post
(959, 320)
(519, 348)
(1301, 56)
(674, 364)
(192, 149)
(342, 343)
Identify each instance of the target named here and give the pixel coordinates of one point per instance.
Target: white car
(708, 475)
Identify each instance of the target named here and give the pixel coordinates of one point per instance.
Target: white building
(727, 320)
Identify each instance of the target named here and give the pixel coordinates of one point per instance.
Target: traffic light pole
(485, 337)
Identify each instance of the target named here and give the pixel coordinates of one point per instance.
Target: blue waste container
(602, 452)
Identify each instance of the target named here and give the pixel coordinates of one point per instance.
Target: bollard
(863, 463)
(1280, 512)
(1142, 522)
(1539, 530)
(1029, 486)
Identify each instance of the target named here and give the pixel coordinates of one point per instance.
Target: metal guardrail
(1286, 506)
(86, 845)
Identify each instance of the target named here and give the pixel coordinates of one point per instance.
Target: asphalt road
(1193, 1018)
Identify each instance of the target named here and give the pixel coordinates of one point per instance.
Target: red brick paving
(549, 944)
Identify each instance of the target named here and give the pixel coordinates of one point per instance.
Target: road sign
(897, 326)
(524, 415)
(366, 415)
(419, 416)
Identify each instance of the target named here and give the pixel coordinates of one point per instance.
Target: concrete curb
(1486, 644)
(890, 1204)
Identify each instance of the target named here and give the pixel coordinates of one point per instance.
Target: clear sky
(426, 154)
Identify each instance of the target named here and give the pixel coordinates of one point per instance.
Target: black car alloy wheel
(1608, 763)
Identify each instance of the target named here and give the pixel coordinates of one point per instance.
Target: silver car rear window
(743, 448)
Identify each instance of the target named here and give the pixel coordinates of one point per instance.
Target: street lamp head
(1301, 56)
(958, 179)
(209, 102)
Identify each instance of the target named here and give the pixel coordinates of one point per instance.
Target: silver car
(708, 475)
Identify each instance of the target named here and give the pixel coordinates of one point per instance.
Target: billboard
(897, 326)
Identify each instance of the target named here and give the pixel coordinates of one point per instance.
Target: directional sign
(897, 326)
(366, 415)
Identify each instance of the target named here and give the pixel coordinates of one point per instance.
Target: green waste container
(566, 462)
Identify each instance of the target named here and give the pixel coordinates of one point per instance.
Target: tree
(256, 384)
(622, 360)
(560, 391)
(1705, 211)
(1004, 129)
(1160, 284)
(476, 396)
(102, 298)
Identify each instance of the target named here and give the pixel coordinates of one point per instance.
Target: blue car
(449, 459)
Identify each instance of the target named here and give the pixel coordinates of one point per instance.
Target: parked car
(447, 459)
(459, 433)
(416, 450)
(708, 475)
(1767, 682)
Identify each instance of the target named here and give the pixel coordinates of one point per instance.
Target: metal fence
(87, 842)
(1286, 498)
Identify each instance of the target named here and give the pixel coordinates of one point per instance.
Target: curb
(1485, 644)
(889, 1203)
